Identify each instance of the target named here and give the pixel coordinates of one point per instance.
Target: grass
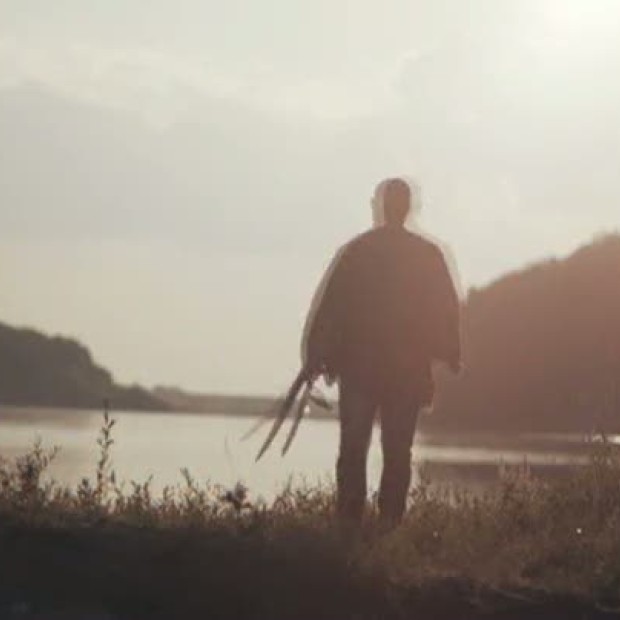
(528, 548)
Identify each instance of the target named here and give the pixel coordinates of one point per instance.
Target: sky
(175, 176)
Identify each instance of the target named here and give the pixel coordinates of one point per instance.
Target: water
(210, 446)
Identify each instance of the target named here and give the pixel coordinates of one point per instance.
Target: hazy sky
(174, 176)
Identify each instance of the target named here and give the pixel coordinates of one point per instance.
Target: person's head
(392, 202)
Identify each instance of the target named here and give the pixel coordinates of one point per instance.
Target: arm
(445, 307)
(319, 333)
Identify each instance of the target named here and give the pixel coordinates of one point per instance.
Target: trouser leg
(398, 421)
(357, 411)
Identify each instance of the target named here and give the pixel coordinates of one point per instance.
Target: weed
(527, 539)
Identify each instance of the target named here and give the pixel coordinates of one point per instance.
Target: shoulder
(424, 246)
(441, 260)
(363, 239)
(378, 237)
(357, 245)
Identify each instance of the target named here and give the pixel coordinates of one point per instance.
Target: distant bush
(53, 371)
(542, 348)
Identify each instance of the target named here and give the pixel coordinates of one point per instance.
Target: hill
(180, 400)
(239, 405)
(542, 348)
(55, 371)
(541, 351)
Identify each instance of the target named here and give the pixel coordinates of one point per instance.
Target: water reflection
(210, 446)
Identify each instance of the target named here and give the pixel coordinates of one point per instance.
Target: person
(386, 310)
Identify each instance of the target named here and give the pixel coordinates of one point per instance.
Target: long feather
(263, 418)
(299, 414)
(285, 408)
(319, 400)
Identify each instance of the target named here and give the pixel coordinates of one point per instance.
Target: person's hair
(396, 201)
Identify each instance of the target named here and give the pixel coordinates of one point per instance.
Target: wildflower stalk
(105, 475)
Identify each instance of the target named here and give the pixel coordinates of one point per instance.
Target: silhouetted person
(386, 310)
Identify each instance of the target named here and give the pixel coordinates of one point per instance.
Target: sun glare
(580, 20)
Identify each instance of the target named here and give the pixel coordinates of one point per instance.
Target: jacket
(386, 310)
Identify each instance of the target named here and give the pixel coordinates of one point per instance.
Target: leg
(399, 412)
(357, 412)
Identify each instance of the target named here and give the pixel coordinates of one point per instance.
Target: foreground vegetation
(526, 549)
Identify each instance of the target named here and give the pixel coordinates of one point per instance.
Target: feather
(284, 410)
(299, 414)
(263, 418)
(319, 400)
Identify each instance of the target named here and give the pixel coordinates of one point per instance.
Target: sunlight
(575, 14)
(578, 24)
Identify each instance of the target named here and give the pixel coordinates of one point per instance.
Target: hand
(456, 366)
(314, 370)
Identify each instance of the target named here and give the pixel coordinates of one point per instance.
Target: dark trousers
(398, 410)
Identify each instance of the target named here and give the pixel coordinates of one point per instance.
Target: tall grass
(196, 547)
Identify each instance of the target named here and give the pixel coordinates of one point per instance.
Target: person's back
(385, 312)
(386, 309)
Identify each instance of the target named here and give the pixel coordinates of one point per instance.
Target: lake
(211, 447)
